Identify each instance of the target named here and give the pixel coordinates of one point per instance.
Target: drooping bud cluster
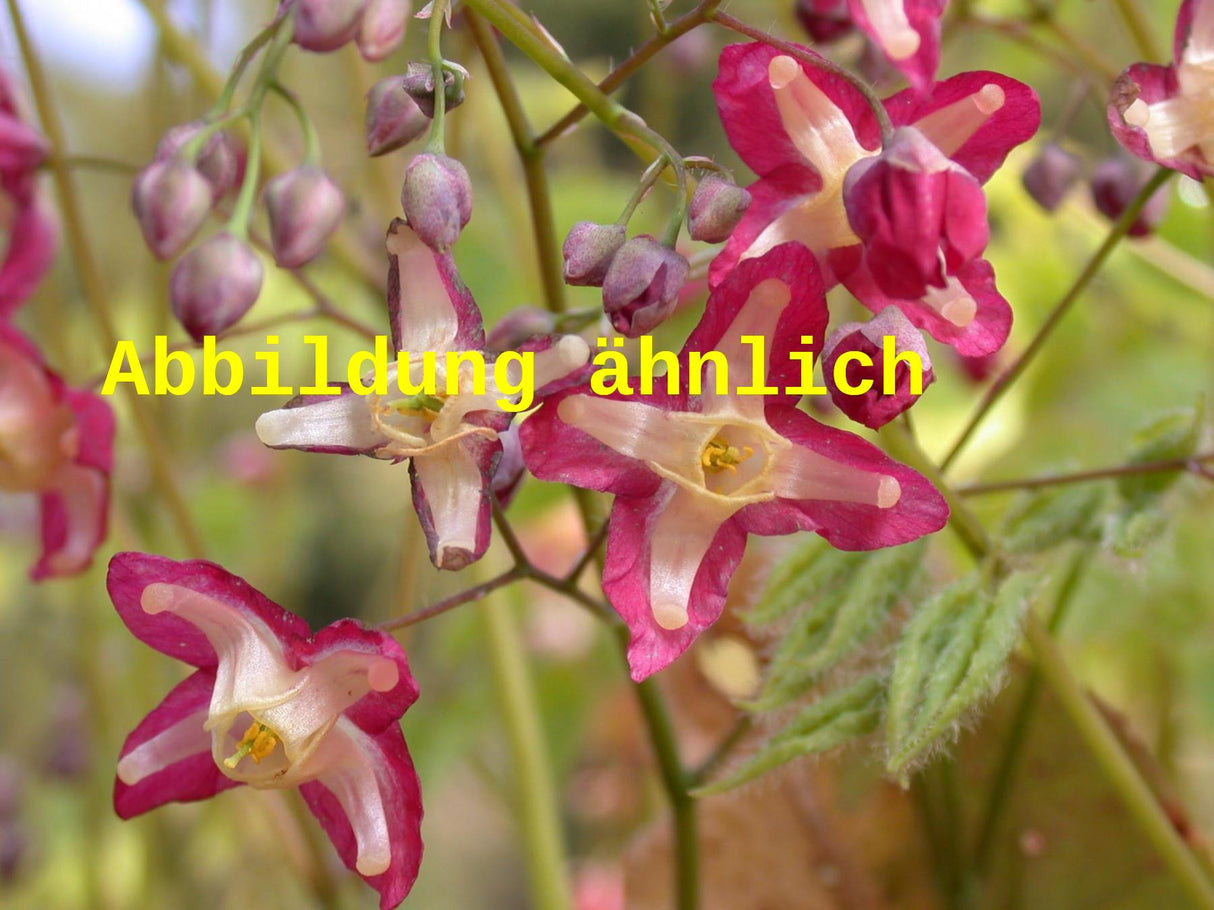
(588, 251)
(217, 160)
(1051, 175)
(519, 325)
(393, 118)
(641, 287)
(171, 199)
(377, 26)
(437, 199)
(305, 208)
(214, 285)
(716, 207)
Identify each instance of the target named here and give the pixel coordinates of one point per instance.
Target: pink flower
(31, 230)
(802, 129)
(450, 440)
(1162, 113)
(693, 474)
(56, 442)
(920, 216)
(272, 706)
(875, 407)
(908, 33)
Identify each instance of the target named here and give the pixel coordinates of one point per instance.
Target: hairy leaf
(1172, 436)
(1045, 518)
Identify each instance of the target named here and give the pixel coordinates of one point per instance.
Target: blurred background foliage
(329, 537)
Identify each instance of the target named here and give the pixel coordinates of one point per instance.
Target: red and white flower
(802, 128)
(272, 706)
(1165, 114)
(693, 475)
(57, 443)
(908, 33)
(451, 441)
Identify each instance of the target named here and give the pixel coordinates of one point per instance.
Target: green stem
(1057, 480)
(434, 49)
(93, 284)
(1012, 373)
(306, 126)
(531, 155)
(648, 179)
(677, 784)
(1139, 26)
(542, 842)
(260, 40)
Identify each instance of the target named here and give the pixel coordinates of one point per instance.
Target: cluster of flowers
(56, 441)
(888, 203)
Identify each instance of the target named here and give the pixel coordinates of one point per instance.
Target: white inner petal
(953, 302)
(951, 127)
(186, 737)
(428, 318)
(339, 422)
(758, 316)
(680, 539)
(894, 31)
(803, 474)
(452, 482)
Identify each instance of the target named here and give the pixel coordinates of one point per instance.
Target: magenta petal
(376, 710)
(557, 452)
(919, 510)
(924, 17)
(748, 110)
(985, 334)
(74, 520)
(1015, 121)
(1149, 83)
(191, 778)
(1184, 24)
(805, 315)
(429, 308)
(401, 792)
(131, 573)
(33, 237)
(626, 582)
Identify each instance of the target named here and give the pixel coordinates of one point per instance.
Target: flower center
(258, 743)
(720, 456)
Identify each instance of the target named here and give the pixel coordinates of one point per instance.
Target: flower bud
(588, 251)
(510, 469)
(1115, 184)
(517, 326)
(1051, 175)
(920, 216)
(437, 199)
(171, 199)
(325, 25)
(716, 207)
(419, 85)
(873, 407)
(824, 20)
(642, 285)
(214, 285)
(393, 117)
(383, 28)
(217, 160)
(305, 208)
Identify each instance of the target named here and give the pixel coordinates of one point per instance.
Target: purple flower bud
(520, 324)
(824, 20)
(383, 28)
(217, 160)
(510, 469)
(716, 207)
(1115, 184)
(325, 25)
(437, 199)
(214, 285)
(171, 199)
(393, 117)
(642, 285)
(873, 407)
(588, 251)
(920, 215)
(419, 85)
(305, 208)
(1051, 175)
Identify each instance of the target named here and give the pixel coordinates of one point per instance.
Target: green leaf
(800, 577)
(1131, 533)
(833, 720)
(841, 624)
(1170, 437)
(1045, 518)
(951, 656)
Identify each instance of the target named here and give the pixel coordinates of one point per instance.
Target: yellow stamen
(720, 456)
(257, 743)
